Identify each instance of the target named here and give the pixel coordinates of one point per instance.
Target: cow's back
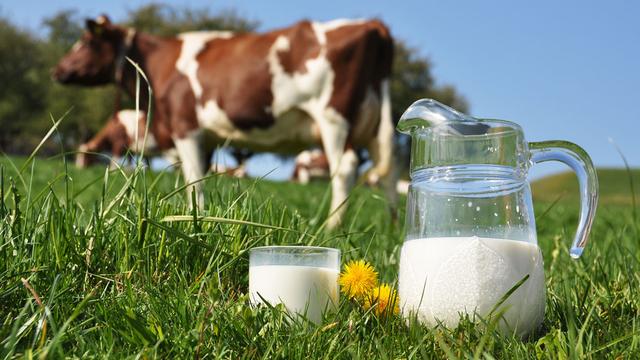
(266, 91)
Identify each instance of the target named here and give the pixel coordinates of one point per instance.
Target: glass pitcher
(471, 245)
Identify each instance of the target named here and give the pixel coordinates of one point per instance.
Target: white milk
(299, 288)
(468, 275)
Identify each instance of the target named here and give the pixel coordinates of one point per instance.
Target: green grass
(88, 269)
(615, 187)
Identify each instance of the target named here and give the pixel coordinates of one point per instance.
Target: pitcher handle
(580, 162)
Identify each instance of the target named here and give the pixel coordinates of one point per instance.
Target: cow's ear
(97, 26)
(103, 20)
(93, 27)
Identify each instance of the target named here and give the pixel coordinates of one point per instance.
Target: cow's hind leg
(192, 157)
(343, 163)
(387, 180)
(382, 151)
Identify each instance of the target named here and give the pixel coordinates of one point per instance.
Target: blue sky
(562, 69)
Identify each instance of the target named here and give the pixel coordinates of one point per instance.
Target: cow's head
(93, 59)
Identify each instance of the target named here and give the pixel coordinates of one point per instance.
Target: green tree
(165, 20)
(22, 98)
(64, 29)
(412, 80)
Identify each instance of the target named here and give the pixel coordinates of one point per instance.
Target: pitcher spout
(428, 113)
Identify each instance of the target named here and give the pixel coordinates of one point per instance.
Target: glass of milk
(471, 246)
(303, 278)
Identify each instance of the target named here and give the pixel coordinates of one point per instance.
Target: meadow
(91, 268)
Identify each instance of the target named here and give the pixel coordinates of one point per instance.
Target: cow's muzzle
(60, 75)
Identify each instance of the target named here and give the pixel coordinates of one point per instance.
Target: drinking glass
(303, 278)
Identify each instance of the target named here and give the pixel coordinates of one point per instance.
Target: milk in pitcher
(442, 278)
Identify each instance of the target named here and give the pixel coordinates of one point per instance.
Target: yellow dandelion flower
(357, 279)
(382, 298)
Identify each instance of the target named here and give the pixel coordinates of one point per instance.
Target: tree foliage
(21, 96)
(30, 99)
(412, 80)
(164, 20)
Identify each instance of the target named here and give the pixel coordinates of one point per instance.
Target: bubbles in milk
(441, 278)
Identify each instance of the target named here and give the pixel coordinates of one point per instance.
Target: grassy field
(615, 187)
(88, 269)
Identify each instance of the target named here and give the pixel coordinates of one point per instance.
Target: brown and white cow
(310, 84)
(124, 131)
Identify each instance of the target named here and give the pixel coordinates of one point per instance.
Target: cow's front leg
(191, 153)
(343, 163)
(82, 158)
